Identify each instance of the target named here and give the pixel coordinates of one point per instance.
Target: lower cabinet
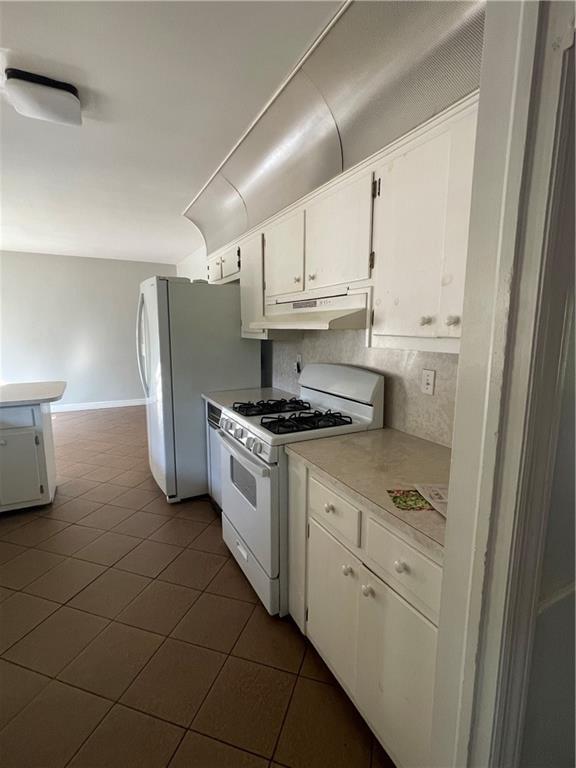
(395, 680)
(378, 645)
(333, 602)
(21, 469)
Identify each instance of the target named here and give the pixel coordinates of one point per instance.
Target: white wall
(194, 266)
(63, 317)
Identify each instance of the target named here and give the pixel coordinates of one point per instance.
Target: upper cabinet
(284, 255)
(338, 234)
(394, 229)
(224, 266)
(230, 259)
(252, 285)
(420, 231)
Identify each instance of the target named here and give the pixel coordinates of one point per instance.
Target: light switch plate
(428, 382)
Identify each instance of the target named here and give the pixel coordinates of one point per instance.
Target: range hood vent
(347, 312)
(381, 69)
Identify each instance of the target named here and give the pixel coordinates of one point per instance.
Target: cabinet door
(252, 284)
(284, 255)
(214, 269)
(463, 137)
(409, 234)
(230, 261)
(338, 229)
(333, 597)
(396, 661)
(20, 470)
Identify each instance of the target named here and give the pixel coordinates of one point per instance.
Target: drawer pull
(400, 566)
(347, 570)
(367, 590)
(328, 508)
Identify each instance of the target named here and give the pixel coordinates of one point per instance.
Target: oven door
(250, 502)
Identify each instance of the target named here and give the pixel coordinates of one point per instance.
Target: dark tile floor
(129, 637)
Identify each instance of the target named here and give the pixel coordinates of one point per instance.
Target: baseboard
(56, 407)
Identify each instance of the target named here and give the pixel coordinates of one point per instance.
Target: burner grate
(304, 422)
(263, 407)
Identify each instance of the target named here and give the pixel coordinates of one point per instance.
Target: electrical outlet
(428, 382)
(298, 364)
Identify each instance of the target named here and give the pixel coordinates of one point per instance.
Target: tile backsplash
(406, 407)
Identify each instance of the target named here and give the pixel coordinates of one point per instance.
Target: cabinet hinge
(306, 614)
(372, 318)
(376, 188)
(371, 260)
(41, 489)
(238, 255)
(307, 530)
(36, 439)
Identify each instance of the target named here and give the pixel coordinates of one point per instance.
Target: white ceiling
(167, 90)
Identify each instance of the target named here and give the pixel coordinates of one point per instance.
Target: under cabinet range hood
(332, 313)
(377, 72)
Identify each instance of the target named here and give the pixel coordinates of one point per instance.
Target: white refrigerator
(188, 342)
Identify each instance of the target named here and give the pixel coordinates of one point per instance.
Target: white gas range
(333, 400)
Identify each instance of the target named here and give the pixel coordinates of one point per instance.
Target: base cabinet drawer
(395, 677)
(333, 511)
(412, 574)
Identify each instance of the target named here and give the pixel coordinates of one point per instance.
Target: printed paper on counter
(437, 495)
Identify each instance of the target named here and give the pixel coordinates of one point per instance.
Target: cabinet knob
(400, 566)
(328, 508)
(2, 442)
(297, 279)
(347, 570)
(453, 320)
(367, 590)
(426, 320)
(312, 276)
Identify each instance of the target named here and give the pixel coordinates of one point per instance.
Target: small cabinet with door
(284, 255)
(252, 285)
(225, 265)
(27, 464)
(338, 234)
(420, 231)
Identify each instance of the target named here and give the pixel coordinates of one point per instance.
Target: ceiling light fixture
(42, 98)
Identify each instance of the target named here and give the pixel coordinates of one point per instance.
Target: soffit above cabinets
(382, 69)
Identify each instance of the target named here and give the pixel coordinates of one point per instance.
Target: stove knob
(238, 433)
(257, 447)
(224, 423)
(230, 427)
(250, 443)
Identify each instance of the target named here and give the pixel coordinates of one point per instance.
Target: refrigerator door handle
(139, 340)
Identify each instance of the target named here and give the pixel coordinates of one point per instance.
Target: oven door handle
(248, 464)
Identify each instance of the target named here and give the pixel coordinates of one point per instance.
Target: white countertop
(31, 393)
(366, 465)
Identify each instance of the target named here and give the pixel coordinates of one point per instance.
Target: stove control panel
(249, 441)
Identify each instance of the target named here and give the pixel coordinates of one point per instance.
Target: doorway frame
(502, 458)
